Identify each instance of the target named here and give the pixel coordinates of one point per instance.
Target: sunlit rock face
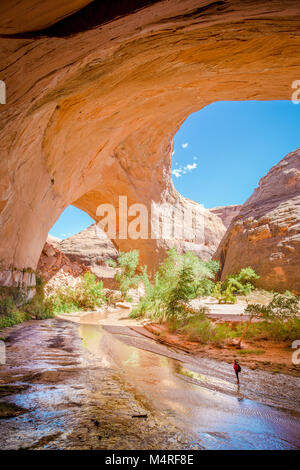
(93, 102)
(52, 260)
(266, 233)
(93, 248)
(226, 213)
(88, 248)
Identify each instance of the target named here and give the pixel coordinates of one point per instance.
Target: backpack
(239, 368)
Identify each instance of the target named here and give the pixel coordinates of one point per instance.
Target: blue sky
(221, 152)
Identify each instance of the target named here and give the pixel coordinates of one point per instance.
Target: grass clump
(87, 295)
(200, 328)
(245, 352)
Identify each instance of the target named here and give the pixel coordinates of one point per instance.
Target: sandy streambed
(55, 394)
(101, 384)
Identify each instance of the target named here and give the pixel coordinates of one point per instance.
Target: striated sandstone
(266, 233)
(30, 15)
(88, 249)
(53, 240)
(226, 213)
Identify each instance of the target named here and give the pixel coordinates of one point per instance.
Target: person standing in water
(237, 370)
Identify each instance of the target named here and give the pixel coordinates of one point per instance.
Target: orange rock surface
(52, 261)
(93, 102)
(266, 233)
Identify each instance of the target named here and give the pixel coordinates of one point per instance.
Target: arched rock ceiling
(91, 115)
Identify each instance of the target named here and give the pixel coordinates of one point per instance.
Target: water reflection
(197, 402)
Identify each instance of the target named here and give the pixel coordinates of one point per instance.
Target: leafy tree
(241, 283)
(235, 284)
(224, 294)
(126, 274)
(183, 290)
(180, 277)
(282, 307)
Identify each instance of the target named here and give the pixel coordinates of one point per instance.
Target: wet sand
(266, 355)
(54, 394)
(93, 386)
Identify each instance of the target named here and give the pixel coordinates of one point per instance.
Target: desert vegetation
(14, 308)
(166, 300)
(86, 295)
(126, 271)
(183, 277)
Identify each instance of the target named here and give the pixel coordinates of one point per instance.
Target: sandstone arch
(91, 115)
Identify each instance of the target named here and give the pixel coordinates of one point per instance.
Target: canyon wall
(266, 233)
(52, 260)
(226, 213)
(88, 248)
(94, 99)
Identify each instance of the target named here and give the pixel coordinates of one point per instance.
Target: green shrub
(275, 330)
(283, 331)
(183, 290)
(235, 284)
(222, 332)
(282, 307)
(205, 287)
(87, 295)
(222, 294)
(10, 299)
(7, 305)
(15, 309)
(13, 318)
(180, 277)
(38, 307)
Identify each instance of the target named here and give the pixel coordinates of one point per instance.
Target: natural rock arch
(92, 115)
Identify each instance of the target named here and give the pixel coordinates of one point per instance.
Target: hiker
(237, 370)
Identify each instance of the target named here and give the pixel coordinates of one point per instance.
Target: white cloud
(185, 145)
(177, 173)
(191, 167)
(183, 170)
(69, 234)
